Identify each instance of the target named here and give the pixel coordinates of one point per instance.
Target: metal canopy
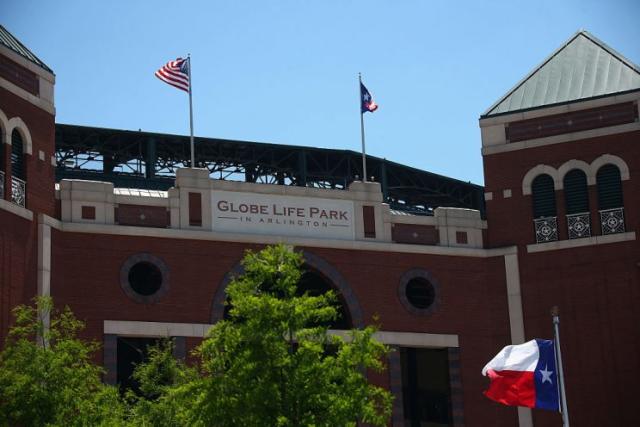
(149, 160)
(582, 68)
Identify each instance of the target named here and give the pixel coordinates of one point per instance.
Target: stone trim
(578, 243)
(124, 278)
(590, 170)
(110, 358)
(220, 297)
(16, 123)
(576, 164)
(337, 279)
(402, 291)
(44, 267)
(514, 299)
(395, 387)
(606, 159)
(535, 172)
(516, 319)
(260, 239)
(4, 125)
(134, 328)
(558, 139)
(315, 262)
(16, 210)
(455, 387)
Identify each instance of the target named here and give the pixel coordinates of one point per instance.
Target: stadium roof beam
(149, 160)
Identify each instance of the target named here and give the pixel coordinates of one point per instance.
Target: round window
(144, 278)
(418, 292)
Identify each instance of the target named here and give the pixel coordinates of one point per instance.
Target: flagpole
(193, 160)
(556, 343)
(364, 155)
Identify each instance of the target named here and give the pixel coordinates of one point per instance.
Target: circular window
(144, 278)
(418, 292)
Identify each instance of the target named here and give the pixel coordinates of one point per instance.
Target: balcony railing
(546, 229)
(18, 191)
(1, 185)
(579, 225)
(612, 221)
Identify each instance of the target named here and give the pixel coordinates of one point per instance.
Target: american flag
(176, 73)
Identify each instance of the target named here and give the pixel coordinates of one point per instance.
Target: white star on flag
(546, 375)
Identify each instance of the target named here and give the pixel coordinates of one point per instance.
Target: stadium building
(116, 225)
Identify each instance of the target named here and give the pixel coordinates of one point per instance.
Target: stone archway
(318, 266)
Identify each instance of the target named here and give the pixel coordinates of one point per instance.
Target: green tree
(161, 399)
(47, 377)
(273, 363)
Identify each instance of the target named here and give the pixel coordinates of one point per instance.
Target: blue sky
(286, 71)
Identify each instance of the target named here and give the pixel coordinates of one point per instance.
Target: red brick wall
(511, 220)
(39, 173)
(472, 294)
(18, 266)
(597, 287)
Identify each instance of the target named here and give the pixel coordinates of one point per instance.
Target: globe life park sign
(282, 215)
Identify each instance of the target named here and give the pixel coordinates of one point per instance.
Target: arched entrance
(319, 276)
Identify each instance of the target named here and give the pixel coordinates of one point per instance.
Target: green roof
(7, 39)
(582, 68)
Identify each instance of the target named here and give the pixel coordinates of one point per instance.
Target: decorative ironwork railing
(546, 229)
(579, 225)
(18, 191)
(612, 221)
(1, 185)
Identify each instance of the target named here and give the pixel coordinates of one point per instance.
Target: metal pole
(364, 155)
(556, 342)
(193, 160)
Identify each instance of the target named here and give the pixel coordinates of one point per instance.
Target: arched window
(18, 185)
(315, 284)
(610, 202)
(17, 155)
(609, 187)
(576, 196)
(544, 197)
(544, 208)
(575, 192)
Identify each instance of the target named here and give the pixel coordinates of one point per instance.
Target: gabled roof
(7, 39)
(584, 67)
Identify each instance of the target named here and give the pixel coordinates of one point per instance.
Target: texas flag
(524, 375)
(366, 100)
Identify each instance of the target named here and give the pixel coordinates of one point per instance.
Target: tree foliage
(272, 363)
(47, 377)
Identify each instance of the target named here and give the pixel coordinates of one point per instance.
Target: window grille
(575, 192)
(17, 156)
(609, 187)
(544, 209)
(610, 202)
(544, 197)
(576, 196)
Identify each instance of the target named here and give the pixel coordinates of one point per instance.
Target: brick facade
(78, 246)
